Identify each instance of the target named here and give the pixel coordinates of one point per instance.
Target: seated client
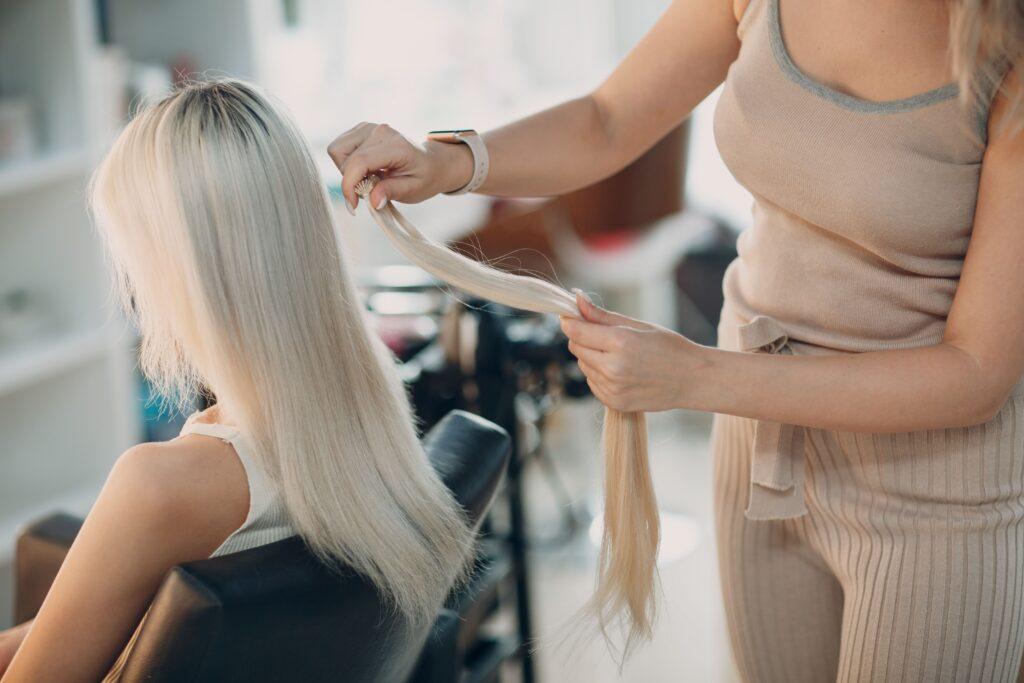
(220, 233)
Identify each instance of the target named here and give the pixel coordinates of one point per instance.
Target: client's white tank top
(267, 521)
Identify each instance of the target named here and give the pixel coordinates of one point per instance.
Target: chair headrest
(258, 614)
(471, 455)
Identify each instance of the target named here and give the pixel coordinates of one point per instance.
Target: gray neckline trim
(793, 72)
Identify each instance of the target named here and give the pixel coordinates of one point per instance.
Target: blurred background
(651, 241)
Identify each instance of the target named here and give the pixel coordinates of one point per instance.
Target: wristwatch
(476, 146)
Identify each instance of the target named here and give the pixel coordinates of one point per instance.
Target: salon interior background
(70, 396)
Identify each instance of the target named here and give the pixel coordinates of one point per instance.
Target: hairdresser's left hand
(632, 365)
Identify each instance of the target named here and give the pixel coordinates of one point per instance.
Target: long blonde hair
(987, 42)
(625, 595)
(221, 234)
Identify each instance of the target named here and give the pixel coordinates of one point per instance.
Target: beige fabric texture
(907, 566)
(858, 557)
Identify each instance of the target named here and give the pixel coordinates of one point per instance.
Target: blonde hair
(987, 42)
(221, 234)
(625, 593)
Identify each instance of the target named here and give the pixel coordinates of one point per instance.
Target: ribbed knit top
(862, 210)
(268, 520)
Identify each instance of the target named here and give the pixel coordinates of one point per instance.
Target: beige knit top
(862, 210)
(862, 215)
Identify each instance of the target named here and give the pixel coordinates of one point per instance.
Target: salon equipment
(527, 353)
(515, 366)
(625, 593)
(406, 307)
(442, 375)
(274, 613)
(698, 278)
(508, 366)
(631, 268)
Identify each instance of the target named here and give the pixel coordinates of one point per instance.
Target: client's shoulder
(193, 484)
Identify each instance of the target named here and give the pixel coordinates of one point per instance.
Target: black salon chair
(274, 613)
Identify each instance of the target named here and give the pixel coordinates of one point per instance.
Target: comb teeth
(364, 186)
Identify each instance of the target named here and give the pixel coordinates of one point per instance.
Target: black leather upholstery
(39, 553)
(275, 614)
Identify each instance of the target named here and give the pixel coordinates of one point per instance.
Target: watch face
(449, 135)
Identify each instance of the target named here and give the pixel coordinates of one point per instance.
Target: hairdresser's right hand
(410, 173)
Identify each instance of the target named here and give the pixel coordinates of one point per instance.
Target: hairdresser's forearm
(681, 59)
(554, 151)
(632, 365)
(888, 391)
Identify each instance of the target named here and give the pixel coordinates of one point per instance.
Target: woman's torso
(862, 210)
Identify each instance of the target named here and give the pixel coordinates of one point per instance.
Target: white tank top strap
(261, 492)
(266, 522)
(219, 431)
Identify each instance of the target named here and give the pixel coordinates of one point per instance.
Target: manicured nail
(381, 202)
(580, 292)
(348, 205)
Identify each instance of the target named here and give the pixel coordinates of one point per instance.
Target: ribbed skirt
(908, 566)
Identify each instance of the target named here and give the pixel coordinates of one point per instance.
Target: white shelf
(49, 167)
(78, 501)
(68, 400)
(33, 361)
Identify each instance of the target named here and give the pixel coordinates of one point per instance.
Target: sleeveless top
(862, 210)
(862, 215)
(268, 520)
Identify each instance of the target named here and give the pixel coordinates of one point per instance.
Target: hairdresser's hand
(411, 173)
(632, 365)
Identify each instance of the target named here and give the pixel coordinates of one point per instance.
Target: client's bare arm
(10, 641)
(163, 504)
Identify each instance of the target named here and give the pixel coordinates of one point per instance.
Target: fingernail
(580, 292)
(348, 205)
(381, 202)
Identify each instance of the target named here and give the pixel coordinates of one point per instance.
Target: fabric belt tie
(777, 464)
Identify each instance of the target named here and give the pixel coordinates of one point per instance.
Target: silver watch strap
(481, 163)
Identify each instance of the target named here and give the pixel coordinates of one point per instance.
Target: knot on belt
(777, 463)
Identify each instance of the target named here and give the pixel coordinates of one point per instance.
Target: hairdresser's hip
(973, 473)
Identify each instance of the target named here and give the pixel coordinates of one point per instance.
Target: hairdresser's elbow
(980, 405)
(985, 407)
(982, 396)
(600, 115)
(606, 126)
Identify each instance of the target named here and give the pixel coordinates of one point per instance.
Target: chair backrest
(275, 614)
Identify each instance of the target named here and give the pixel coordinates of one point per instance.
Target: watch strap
(481, 162)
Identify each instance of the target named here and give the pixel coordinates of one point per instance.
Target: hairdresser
(869, 436)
